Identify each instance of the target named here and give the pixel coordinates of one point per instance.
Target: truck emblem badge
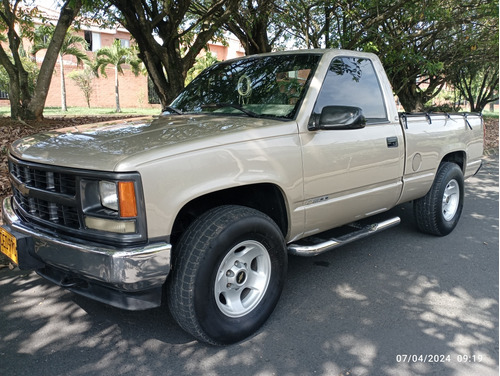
(240, 277)
(21, 187)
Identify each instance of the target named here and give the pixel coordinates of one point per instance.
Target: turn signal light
(126, 195)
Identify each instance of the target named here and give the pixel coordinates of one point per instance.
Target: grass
(488, 114)
(93, 111)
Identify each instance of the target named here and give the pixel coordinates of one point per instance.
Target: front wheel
(228, 274)
(440, 209)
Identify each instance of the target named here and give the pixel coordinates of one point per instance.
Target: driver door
(351, 173)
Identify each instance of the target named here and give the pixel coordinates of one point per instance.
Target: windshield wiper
(172, 109)
(233, 105)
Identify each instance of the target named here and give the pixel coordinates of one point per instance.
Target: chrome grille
(42, 178)
(44, 194)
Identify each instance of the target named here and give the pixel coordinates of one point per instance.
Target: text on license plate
(8, 245)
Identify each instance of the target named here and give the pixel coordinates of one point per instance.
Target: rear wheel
(440, 209)
(228, 274)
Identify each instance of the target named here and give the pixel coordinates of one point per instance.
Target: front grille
(42, 178)
(44, 194)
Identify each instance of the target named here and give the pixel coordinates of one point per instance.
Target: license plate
(8, 245)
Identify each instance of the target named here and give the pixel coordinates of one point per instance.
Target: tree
(476, 77)
(170, 35)
(83, 79)
(477, 84)
(418, 42)
(116, 55)
(256, 24)
(307, 21)
(25, 105)
(29, 66)
(71, 46)
(335, 24)
(423, 41)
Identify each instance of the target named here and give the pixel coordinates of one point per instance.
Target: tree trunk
(166, 63)
(69, 11)
(253, 38)
(327, 26)
(117, 91)
(411, 103)
(15, 99)
(19, 94)
(63, 85)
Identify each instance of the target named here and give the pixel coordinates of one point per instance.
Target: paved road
(360, 310)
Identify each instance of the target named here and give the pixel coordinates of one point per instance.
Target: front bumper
(129, 278)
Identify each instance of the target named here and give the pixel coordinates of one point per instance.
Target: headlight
(112, 206)
(108, 194)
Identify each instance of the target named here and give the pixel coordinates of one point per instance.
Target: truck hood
(103, 146)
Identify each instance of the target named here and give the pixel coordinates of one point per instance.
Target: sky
(51, 4)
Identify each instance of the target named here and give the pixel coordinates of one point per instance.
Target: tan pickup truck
(258, 157)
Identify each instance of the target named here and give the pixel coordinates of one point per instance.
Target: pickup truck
(258, 158)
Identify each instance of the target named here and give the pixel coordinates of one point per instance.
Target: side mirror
(341, 117)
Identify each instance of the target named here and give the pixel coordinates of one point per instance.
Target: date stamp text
(438, 358)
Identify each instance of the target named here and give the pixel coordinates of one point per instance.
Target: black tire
(438, 212)
(231, 254)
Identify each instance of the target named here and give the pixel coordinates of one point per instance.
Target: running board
(327, 245)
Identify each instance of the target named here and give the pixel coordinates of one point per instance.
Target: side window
(352, 81)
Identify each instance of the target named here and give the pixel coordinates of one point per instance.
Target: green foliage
(115, 55)
(478, 83)
(29, 66)
(419, 42)
(258, 25)
(476, 75)
(22, 13)
(422, 44)
(136, 64)
(84, 79)
(202, 63)
(73, 45)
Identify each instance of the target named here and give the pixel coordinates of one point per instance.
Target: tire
(228, 274)
(438, 212)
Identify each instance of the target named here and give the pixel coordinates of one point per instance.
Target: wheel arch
(266, 197)
(458, 157)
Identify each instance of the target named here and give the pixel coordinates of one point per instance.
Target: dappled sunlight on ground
(355, 311)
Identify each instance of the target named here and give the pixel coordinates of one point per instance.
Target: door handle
(392, 142)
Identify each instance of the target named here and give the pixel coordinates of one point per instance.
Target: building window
(88, 38)
(93, 40)
(124, 42)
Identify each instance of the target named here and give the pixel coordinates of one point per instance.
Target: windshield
(257, 86)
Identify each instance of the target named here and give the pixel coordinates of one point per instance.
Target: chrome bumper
(128, 270)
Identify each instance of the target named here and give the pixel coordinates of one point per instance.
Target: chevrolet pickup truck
(258, 158)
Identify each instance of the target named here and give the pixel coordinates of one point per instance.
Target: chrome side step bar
(327, 245)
